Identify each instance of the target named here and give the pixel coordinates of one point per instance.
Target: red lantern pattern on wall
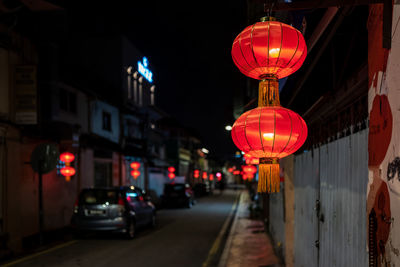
(269, 50)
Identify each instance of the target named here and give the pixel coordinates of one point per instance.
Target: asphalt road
(183, 237)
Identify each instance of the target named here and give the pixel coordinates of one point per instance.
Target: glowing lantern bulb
(171, 169)
(171, 175)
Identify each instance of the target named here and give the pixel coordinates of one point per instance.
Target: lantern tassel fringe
(268, 178)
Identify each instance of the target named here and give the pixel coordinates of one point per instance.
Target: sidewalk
(247, 244)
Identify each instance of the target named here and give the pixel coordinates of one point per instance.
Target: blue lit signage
(144, 71)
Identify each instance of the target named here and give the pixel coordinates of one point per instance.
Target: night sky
(188, 47)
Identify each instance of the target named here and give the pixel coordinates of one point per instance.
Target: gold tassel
(268, 175)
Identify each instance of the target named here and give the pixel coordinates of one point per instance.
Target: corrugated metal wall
(337, 175)
(277, 221)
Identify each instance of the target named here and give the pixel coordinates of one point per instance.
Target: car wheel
(130, 230)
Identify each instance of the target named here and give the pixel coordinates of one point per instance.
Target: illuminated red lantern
(135, 165)
(230, 170)
(205, 176)
(67, 157)
(236, 172)
(135, 174)
(68, 171)
(171, 169)
(269, 48)
(171, 175)
(211, 177)
(269, 133)
(196, 174)
(249, 169)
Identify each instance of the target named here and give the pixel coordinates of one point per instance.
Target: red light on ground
(171, 169)
(67, 171)
(218, 174)
(67, 157)
(171, 175)
(135, 165)
(236, 172)
(135, 173)
(205, 175)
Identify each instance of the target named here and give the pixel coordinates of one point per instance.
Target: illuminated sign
(144, 71)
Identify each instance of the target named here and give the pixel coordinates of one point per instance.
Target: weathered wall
(383, 192)
(287, 166)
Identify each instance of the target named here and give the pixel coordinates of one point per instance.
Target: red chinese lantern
(268, 51)
(249, 169)
(205, 176)
(171, 175)
(135, 165)
(135, 174)
(211, 177)
(68, 171)
(236, 172)
(269, 48)
(67, 157)
(171, 169)
(196, 174)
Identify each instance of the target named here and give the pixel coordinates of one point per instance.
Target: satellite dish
(44, 158)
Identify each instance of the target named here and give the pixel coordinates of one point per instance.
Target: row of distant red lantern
(196, 174)
(67, 171)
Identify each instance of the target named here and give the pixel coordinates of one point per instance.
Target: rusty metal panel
(343, 182)
(305, 223)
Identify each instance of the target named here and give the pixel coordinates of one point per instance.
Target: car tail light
(121, 203)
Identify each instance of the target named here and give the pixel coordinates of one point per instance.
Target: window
(106, 121)
(68, 101)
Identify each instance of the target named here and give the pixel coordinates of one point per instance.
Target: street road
(183, 237)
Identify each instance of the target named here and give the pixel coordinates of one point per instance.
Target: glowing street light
(228, 127)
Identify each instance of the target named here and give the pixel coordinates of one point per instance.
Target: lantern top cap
(267, 18)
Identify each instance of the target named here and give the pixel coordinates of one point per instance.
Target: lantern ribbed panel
(269, 132)
(269, 47)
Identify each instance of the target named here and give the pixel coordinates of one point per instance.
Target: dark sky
(190, 45)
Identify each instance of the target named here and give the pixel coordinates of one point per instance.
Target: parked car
(177, 195)
(120, 209)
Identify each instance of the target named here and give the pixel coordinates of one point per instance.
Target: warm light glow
(274, 52)
(236, 172)
(171, 169)
(211, 177)
(268, 136)
(205, 175)
(135, 165)
(230, 170)
(249, 169)
(218, 174)
(196, 174)
(204, 150)
(171, 175)
(67, 171)
(67, 157)
(228, 127)
(135, 173)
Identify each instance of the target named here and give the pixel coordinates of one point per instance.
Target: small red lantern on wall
(135, 165)
(67, 171)
(171, 169)
(171, 175)
(135, 174)
(196, 174)
(67, 157)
